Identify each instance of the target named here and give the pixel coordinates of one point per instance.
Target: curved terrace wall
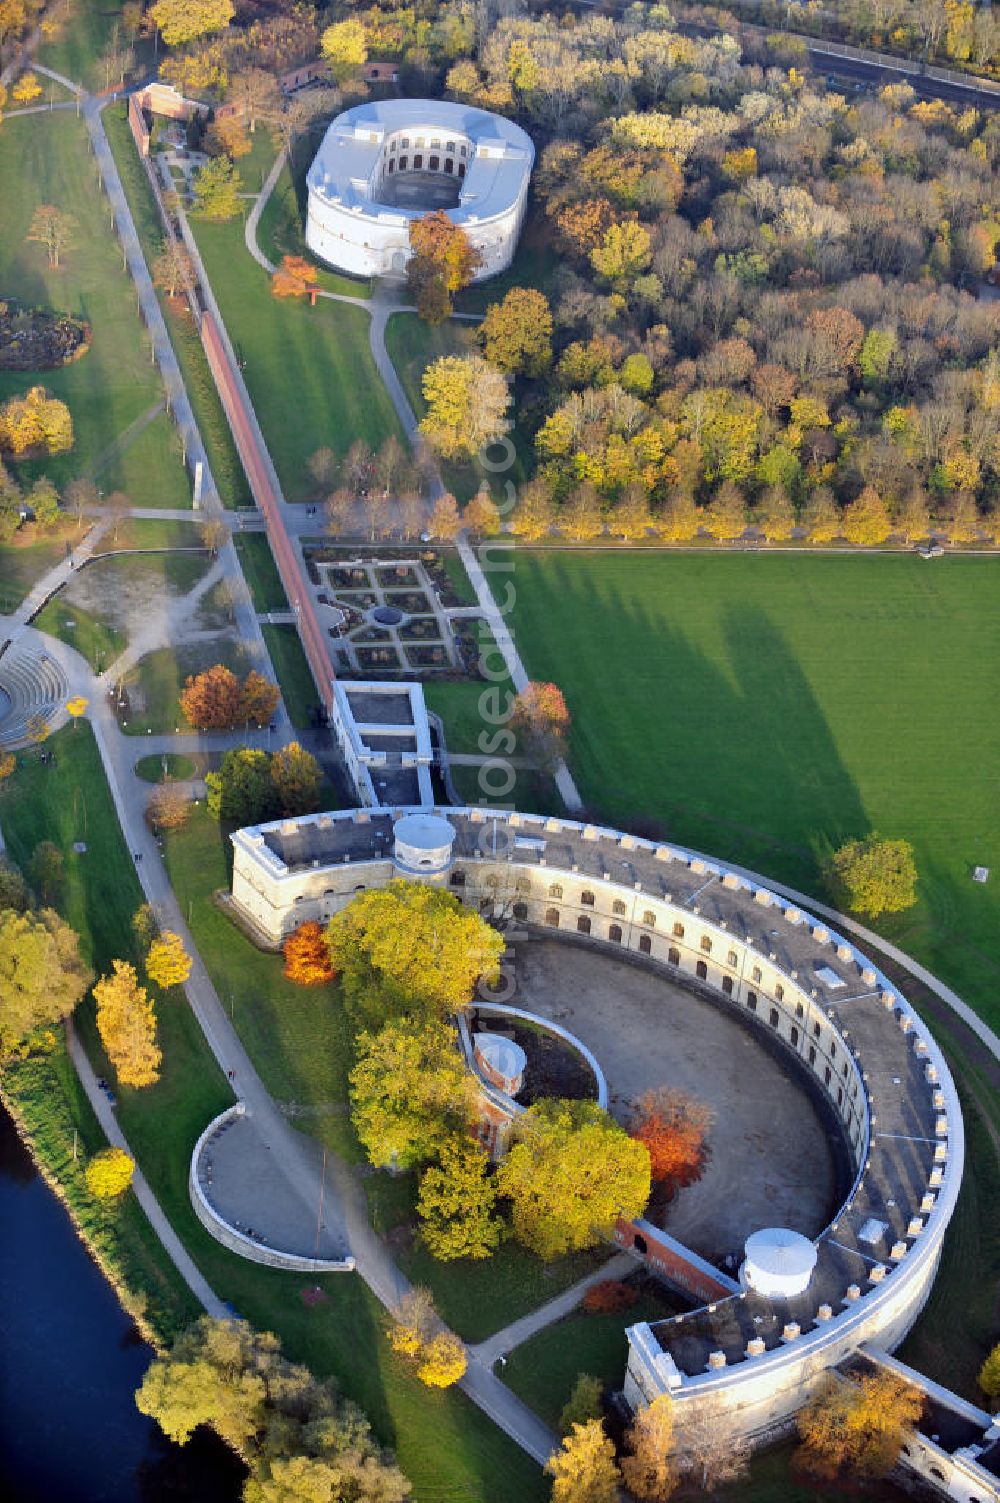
(860, 1043)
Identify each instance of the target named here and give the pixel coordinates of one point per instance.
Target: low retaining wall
(246, 1247)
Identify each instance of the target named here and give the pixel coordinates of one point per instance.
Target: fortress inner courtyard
(771, 1161)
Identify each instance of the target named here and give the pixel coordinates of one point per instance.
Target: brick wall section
(137, 121)
(676, 1262)
(310, 631)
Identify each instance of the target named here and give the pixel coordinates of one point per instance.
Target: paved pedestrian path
(179, 1256)
(502, 1343)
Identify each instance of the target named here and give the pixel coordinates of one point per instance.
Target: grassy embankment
(113, 392)
(211, 419)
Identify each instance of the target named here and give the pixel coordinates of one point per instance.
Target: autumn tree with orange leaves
(293, 278)
(540, 717)
(674, 1127)
(443, 262)
(307, 956)
(216, 700)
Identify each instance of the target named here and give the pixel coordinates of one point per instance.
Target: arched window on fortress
(678, 931)
(645, 944)
(583, 924)
(733, 958)
(649, 919)
(461, 169)
(755, 974)
(706, 944)
(555, 891)
(779, 992)
(434, 164)
(615, 934)
(418, 162)
(587, 899)
(773, 1018)
(402, 163)
(552, 917)
(520, 910)
(673, 956)
(618, 906)
(449, 165)
(457, 879)
(727, 985)
(701, 970)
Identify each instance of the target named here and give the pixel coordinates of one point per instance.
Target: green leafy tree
(410, 949)
(873, 876)
(584, 1403)
(989, 1374)
(410, 1092)
(584, 1470)
(296, 776)
(516, 335)
(46, 873)
(457, 1201)
(217, 190)
(570, 1174)
(14, 893)
(242, 790)
(42, 975)
(109, 1173)
(180, 21)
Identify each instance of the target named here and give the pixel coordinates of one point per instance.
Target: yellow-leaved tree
(857, 1427)
(168, 963)
(584, 1470)
(109, 1173)
(126, 1022)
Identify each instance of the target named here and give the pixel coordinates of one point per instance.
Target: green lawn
(460, 705)
(131, 533)
(280, 231)
(545, 1368)
(174, 765)
(99, 643)
(260, 571)
(46, 159)
(155, 683)
(211, 419)
(766, 708)
(298, 687)
(412, 345)
(309, 371)
(77, 50)
(22, 564)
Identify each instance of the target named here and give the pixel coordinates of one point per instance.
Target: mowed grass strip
(46, 160)
(768, 708)
(22, 564)
(260, 571)
(309, 371)
(222, 457)
(298, 687)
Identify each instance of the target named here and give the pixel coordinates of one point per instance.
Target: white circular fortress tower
(387, 162)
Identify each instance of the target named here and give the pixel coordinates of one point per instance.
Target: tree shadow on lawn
(741, 762)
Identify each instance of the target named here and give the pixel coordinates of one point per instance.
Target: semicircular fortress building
(387, 162)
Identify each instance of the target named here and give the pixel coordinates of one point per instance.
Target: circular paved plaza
(771, 1161)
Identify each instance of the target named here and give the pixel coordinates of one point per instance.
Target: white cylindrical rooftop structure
(423, 843)
(779, 1262)
(501, 1061)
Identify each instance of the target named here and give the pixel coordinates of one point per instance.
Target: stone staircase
(33, 689)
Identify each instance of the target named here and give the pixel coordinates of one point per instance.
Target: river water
(70, 1362)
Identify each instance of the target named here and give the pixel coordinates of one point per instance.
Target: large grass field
(211, 420)
(45, 159)
(309, 371)
(22, 564)
(768, 708)
(280, 231)
(412, 345)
